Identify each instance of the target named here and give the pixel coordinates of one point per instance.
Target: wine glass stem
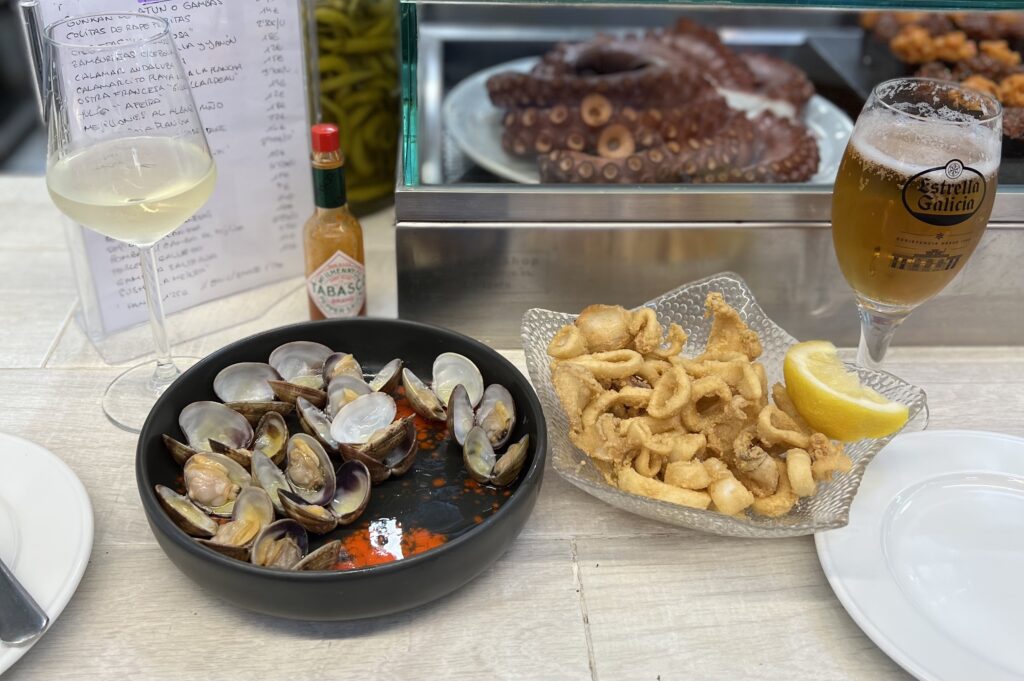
(876, 332)
(166, 371)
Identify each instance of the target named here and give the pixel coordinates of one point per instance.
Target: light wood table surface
(585, 592)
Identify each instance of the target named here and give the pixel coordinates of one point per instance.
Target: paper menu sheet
(246, 66)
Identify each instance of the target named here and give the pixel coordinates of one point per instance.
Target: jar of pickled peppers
(356, 65)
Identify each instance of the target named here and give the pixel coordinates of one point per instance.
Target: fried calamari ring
(775, 427)
(611, 363)
(780, 503)
(576, 388)
(648, 464)
(568, 343)
(606, 401)
(602, 440)
(709, 397)
(605, 327)
(646, 330)
(798, 470)
(671, 394)
(686, 446)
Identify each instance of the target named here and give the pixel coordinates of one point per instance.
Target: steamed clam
(271, 436)
(342, 390)
(388, 378)
(213, 482)
(252, 512)
(210, 425)
(497, 414)
(461, 418)
(244, 387)
(300, 365)
(421, 398)
(285, 545)
(185, 514)
(391, 451)
(308, 470)
(268, 476)
(485, 466)
(341, 364)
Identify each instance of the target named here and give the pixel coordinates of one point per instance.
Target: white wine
(134, 189)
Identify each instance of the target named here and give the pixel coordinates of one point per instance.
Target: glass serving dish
(828, 509)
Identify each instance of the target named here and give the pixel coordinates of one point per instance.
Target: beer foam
(908, 146)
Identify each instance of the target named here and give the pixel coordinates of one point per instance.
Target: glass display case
(502, 205)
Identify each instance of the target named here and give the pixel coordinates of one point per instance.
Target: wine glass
(912, 198)
(127, 157)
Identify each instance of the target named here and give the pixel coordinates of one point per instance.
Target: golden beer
(912, 198)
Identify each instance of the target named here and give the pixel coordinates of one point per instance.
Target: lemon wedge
(833, 400)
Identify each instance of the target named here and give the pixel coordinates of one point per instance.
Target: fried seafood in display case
(705, 432)
(672, 105)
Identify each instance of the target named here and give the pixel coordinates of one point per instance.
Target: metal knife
(22, 621)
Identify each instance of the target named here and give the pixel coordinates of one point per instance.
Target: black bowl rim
(156, 514)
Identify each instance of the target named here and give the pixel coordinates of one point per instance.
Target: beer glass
(912, 197)
(127, 158)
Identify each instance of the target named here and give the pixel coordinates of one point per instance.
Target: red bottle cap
(325, 137)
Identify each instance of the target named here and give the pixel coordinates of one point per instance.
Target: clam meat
(497, 414)
(213, 482)
(309, 471)
(483, 465)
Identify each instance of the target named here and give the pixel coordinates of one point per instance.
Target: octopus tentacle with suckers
(665, 106)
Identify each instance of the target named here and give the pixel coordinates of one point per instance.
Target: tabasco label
(338, 287)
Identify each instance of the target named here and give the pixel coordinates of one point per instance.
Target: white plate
(46, 538)
(475, 124)
(931, 563)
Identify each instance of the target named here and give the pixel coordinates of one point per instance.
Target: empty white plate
(45, 527)
(930, 565)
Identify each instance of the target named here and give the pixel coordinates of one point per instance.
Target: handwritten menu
(246, 67)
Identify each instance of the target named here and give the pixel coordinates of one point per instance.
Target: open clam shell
(313, 517)
(269, 477)
(358, 420)
(461, 418)
(342, 390)
(308, 469)
(289, 392)
(341, 364)
(316, 423)
(323, 558)
(353, 493)
(421, 398)
(388, 378)
(205, 421)
(271, 436)
(452, 369)
(282, 544)
(213, 482)
(301, 363)
(497, 414)
(186, 515)
(244, 388)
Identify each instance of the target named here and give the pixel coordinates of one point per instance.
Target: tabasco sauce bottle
(333, 238)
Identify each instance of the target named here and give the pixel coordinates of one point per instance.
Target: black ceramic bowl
(366, 591)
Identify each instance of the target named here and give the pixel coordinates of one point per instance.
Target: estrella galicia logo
(945, 195)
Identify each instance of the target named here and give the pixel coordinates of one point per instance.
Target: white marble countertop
(586, 592)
